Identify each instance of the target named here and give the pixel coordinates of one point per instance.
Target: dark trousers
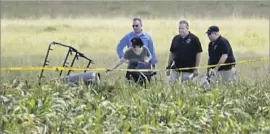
(137, 77)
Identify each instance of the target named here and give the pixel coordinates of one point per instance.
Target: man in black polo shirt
(185, 51)
(220, 52)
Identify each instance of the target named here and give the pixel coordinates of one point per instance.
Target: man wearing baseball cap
(220, 52)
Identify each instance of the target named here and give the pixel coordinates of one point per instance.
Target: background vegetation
(95, 28)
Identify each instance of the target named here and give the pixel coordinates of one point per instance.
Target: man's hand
(195, 73)
(212, 72)
(147, 60)
(168, 71)
(108, 70)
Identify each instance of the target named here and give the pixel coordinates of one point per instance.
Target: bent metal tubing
(65, 63)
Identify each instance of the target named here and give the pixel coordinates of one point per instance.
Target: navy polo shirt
(185, 51)
(216, 49)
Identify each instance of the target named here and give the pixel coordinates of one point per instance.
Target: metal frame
(65, 63)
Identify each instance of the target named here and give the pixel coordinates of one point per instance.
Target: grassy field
(151, 9)
(25, 42)
(115, 107)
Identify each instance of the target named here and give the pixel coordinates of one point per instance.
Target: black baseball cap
(212, 29)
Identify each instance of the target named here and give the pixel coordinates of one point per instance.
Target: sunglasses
(135, 25)
(209, 34)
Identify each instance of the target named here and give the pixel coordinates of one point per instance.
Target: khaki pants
(226, 76)
(174, 76)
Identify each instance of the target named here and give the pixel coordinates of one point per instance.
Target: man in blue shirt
(137, 31)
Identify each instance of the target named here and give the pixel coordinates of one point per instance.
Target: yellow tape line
(104, 69)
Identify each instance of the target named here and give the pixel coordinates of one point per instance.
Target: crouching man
(138, 57)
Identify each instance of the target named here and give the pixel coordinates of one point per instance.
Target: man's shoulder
(224, 40)
(145, 48)
(147, 35)
(129, 33)
(176, 36)
(128, 51)
(192, 35)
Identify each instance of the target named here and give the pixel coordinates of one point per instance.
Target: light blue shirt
(147, 41)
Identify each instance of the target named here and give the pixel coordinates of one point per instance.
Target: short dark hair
(137, 41)
(184, 22)
(137, 19)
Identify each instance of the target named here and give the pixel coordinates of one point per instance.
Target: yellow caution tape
(104, 69)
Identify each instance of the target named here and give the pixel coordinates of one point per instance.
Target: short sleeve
(172, 49)
(224, 47)
(198, 45)
(147, 52)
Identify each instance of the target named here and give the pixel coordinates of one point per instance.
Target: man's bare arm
(170, 60)
(198, 59)
(119, 62)
(221, 60)
(208, 68)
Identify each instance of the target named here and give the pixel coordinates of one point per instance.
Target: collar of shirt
(138, 34)
(187, 36)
